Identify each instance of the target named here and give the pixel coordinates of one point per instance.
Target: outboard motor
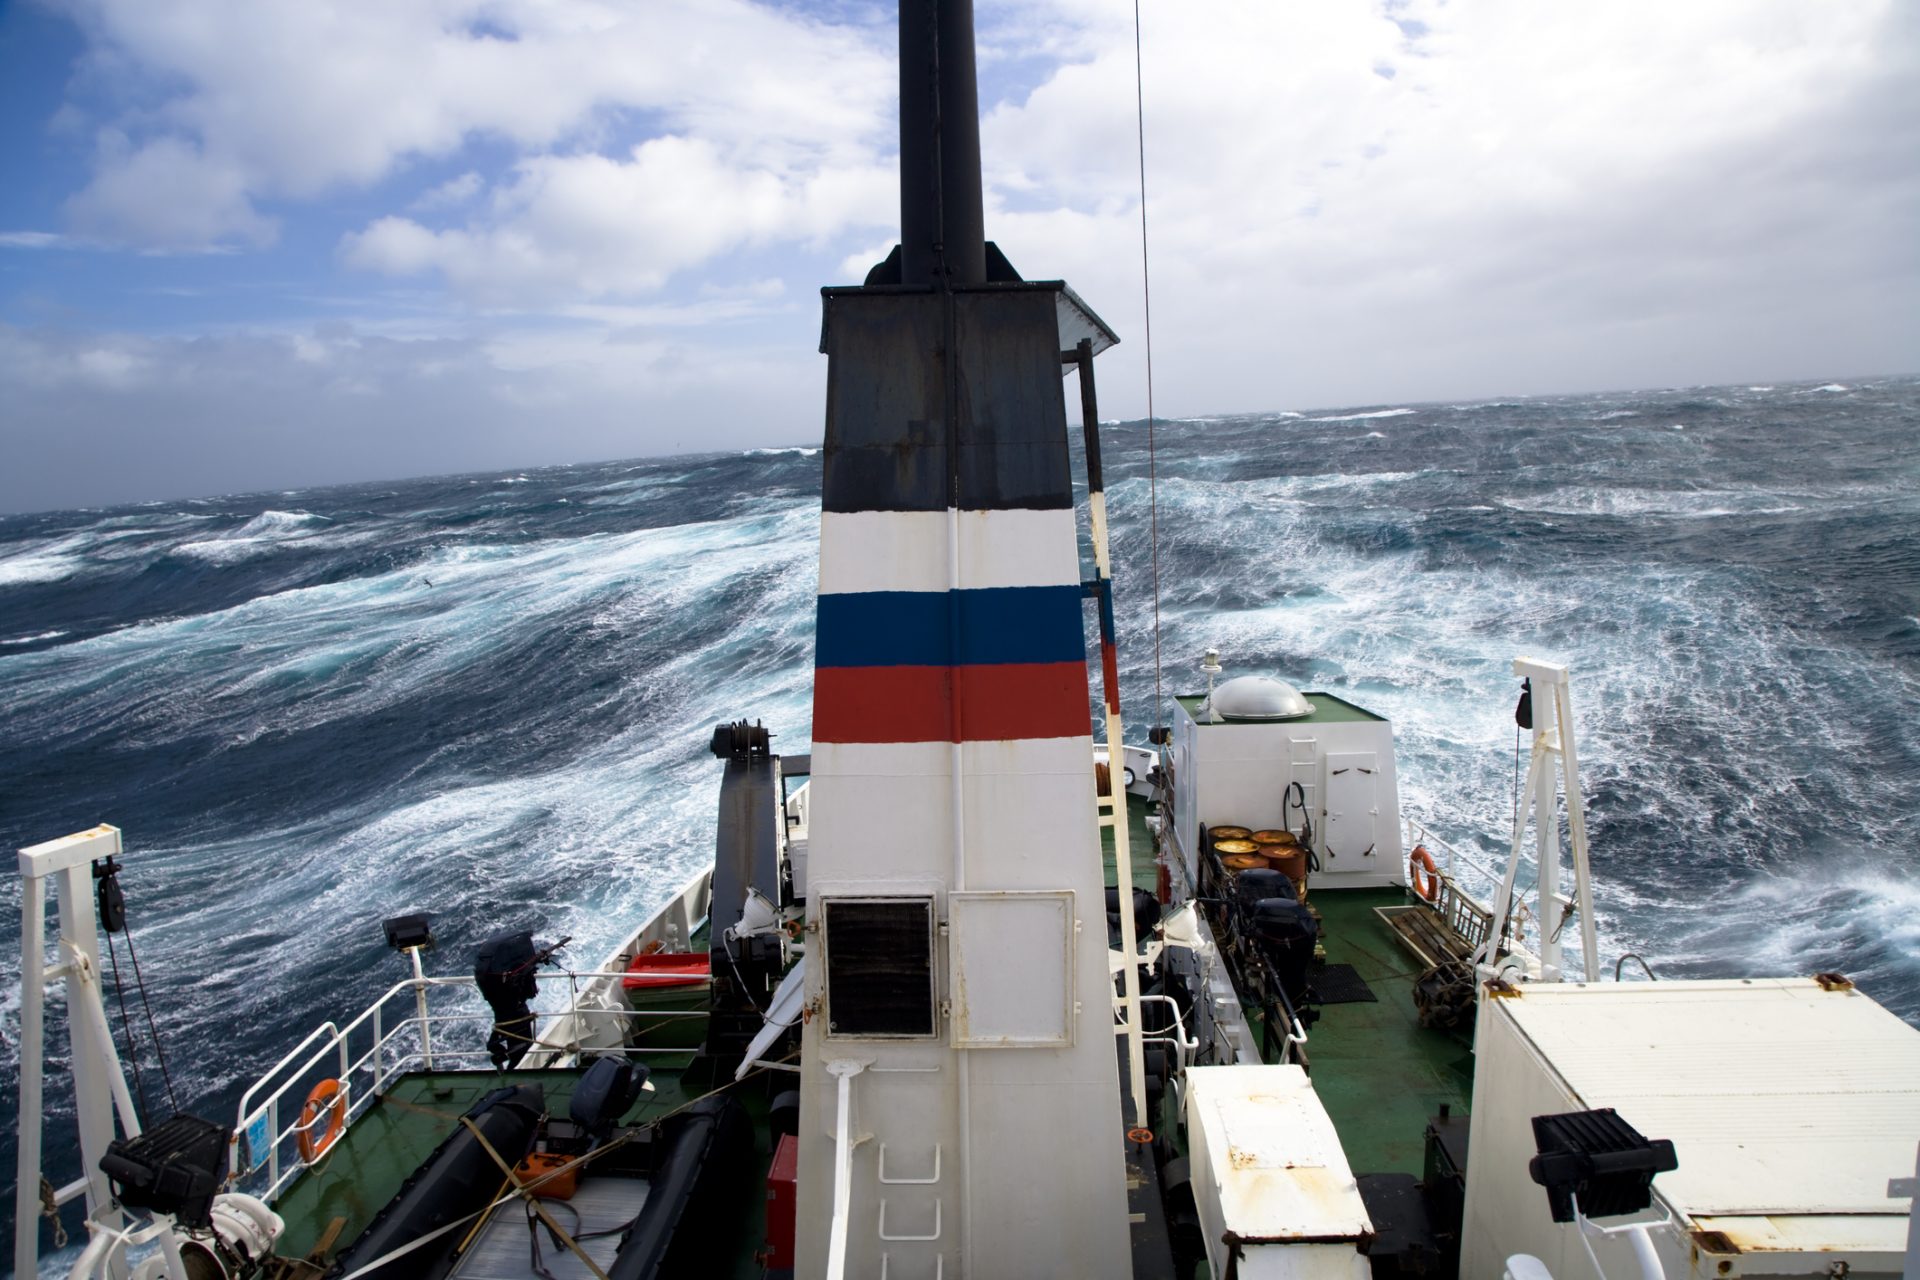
(503, 968)
(1253, 887)
(604, 1094)
(1285, 931)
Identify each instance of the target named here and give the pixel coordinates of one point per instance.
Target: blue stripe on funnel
(916, 628)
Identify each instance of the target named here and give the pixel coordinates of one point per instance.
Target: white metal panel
(1267, 1163)
(1780, 1097)
(907, 550)
(1011, 957)
(1789, 1107)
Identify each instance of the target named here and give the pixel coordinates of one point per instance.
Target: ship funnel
(960, 1108)
(942, 226)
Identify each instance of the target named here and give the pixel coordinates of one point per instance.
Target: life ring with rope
(1423, 873)
(328, 1100)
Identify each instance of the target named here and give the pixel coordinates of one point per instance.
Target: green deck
(1380, 1073)
(1139, 847)
(382, 1147)
(1377, 1071)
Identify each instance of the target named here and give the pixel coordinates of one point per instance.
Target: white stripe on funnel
(907, 550)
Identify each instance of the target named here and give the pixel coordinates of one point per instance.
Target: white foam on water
(34, 639)
(1361, 417)
(31, 567)
(1829, 387)
(266, 532)
(1668, 504)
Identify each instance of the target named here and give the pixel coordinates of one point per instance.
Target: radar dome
(1258, 698)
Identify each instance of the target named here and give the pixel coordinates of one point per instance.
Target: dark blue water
(490, 696)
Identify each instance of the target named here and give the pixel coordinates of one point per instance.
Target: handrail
(844, 1070)
(384, 1058)
(319, 1030)
(1419, 832)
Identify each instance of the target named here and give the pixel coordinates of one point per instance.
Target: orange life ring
(329, 1099)
(1425, 876)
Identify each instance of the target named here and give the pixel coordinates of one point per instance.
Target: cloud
(236, 412)
(587, 226)
(221, 106)
(167, 195)
(450, 194)
(1534, 200)
(33, 240)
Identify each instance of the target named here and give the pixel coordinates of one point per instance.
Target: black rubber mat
(1338, 984)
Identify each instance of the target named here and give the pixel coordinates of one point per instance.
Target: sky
(254, 244)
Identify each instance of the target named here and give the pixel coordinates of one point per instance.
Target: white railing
(366, 1054)
(1174, 1037)
(1419, 833)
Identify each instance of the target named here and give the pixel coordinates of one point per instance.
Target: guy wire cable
(1146, 295)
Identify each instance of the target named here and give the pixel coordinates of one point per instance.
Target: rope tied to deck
(524, 1191)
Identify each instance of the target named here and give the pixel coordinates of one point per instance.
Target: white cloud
(450, 194)
(235, 412)
(1535, 198)
(1352, 203)
(167, 195)
(231, 104)
(586, 226)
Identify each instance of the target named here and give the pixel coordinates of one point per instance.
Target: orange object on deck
(538, 1165)
(658, 969)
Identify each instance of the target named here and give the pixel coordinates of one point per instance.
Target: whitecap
(1374, 435)
(801, 451)
(22, 570)
(1831, 386)
(35, 639)
(1357, 417)
(263, 533)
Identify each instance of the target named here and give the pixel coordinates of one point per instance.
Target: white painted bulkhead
(1028, 1139)
(994, 1144)
(1239, 772)
(1790, 1106)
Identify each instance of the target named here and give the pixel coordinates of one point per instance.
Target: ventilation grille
(879, 967)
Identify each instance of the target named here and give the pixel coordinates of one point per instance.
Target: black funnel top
(942, 226)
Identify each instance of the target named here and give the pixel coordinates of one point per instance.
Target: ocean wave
(1681, 505)
(1361, 417)
(494, 701)
(34, 639)
(38, 566)
(264, 533)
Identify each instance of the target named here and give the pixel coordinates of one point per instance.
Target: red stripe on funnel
(917, 704)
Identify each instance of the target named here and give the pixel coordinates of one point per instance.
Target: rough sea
(490, 696)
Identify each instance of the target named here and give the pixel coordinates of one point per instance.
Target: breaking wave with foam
(491, 696)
